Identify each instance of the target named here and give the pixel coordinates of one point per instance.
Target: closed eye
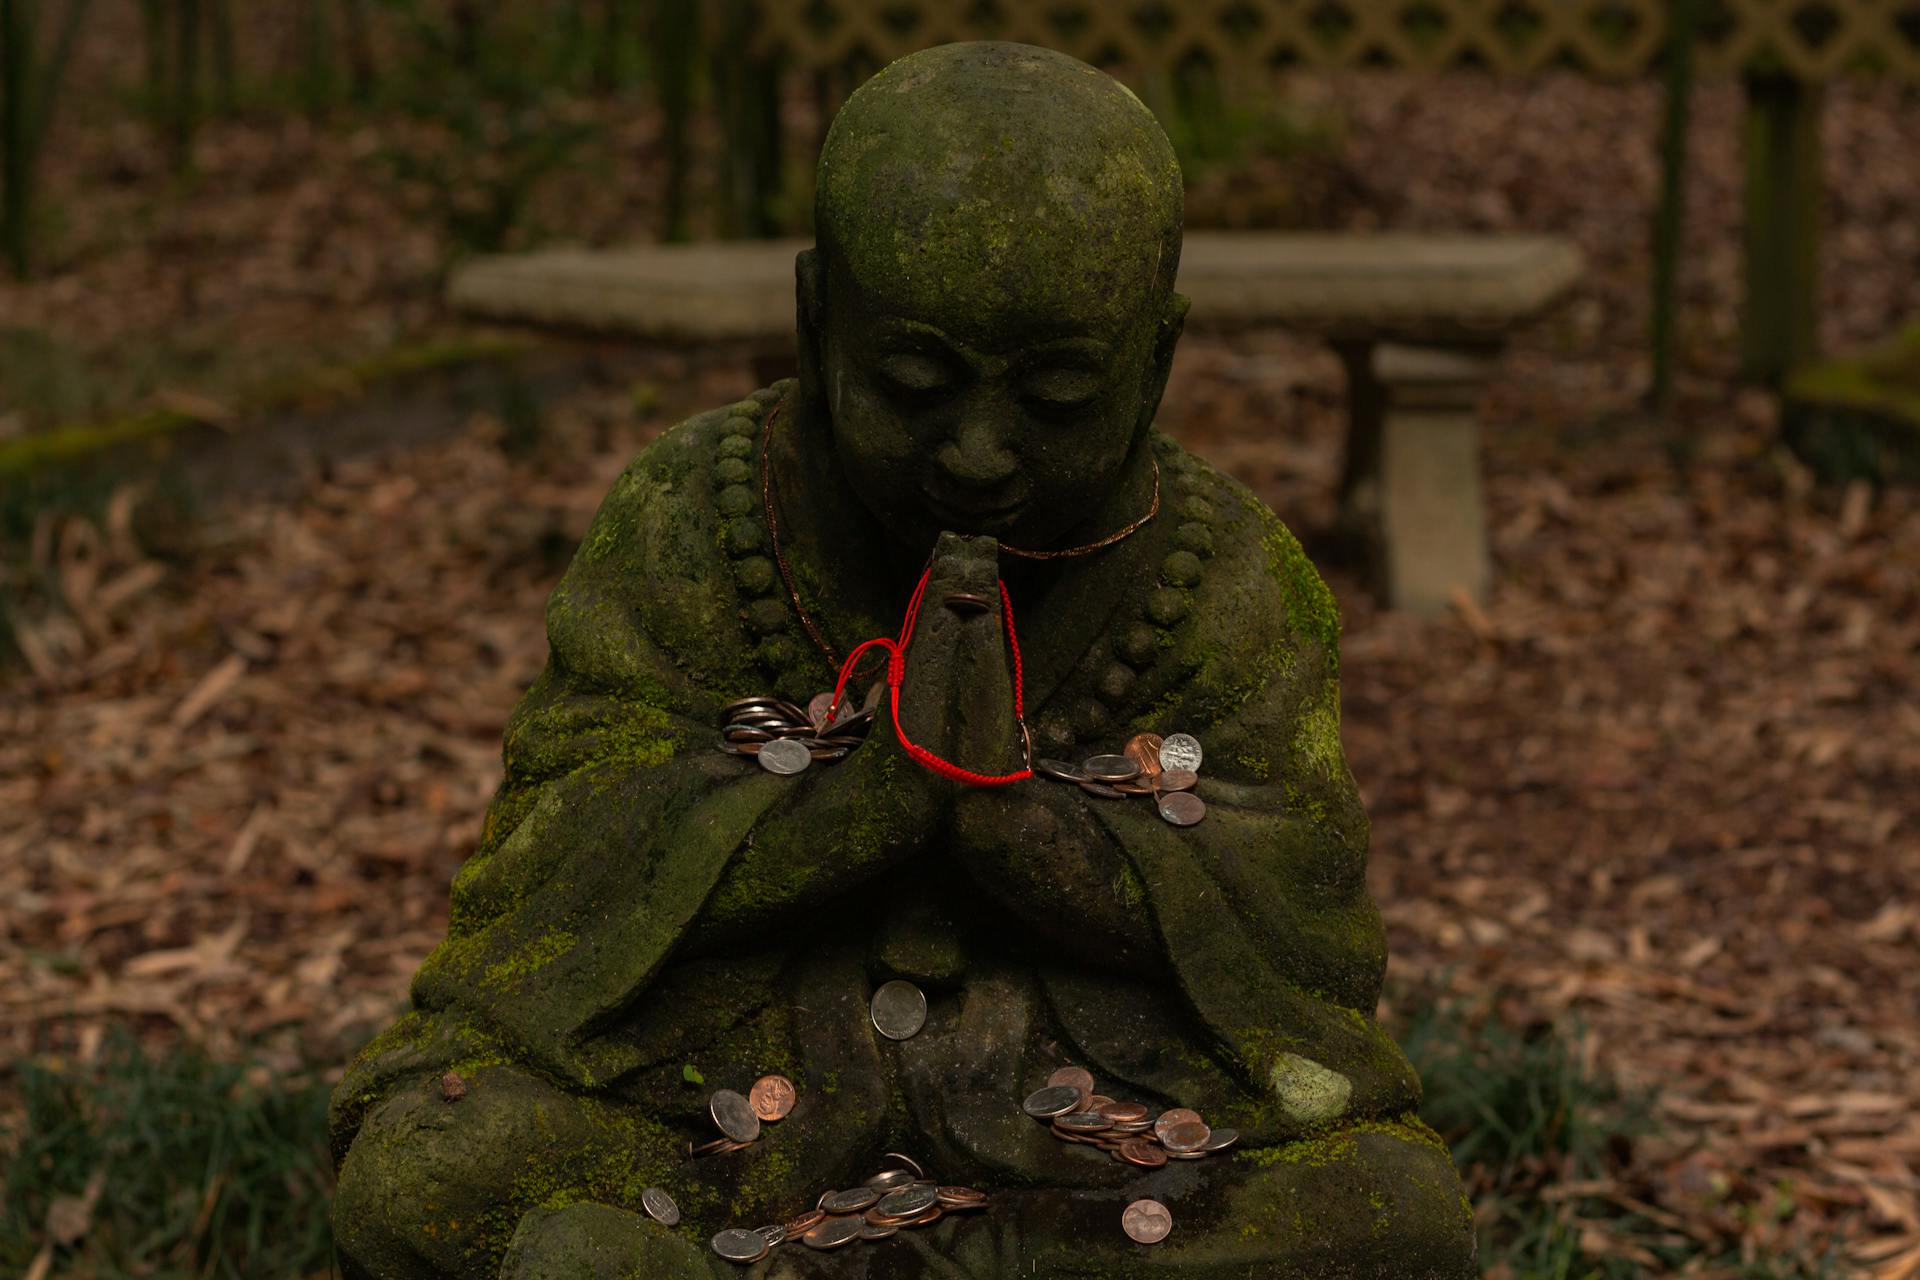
(916, 378)
(1060, 391)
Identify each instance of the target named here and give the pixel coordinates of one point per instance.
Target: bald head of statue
(988, 316)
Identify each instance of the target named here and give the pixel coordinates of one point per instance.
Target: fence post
(1670, 220)
(1779, 327)
(673, 45)
(15, 61)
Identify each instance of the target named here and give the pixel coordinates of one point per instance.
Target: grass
(211, 1169)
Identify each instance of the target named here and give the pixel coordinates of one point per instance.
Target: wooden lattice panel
(1811, 39)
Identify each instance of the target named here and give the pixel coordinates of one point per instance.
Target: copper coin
(1191, 1135)
(660, 1206)
(1221, 1140)
(931, 1215)
(960, 1198)
(1054, 1100)
(771, 1097)
(878, 1219)
(817, 708)
(741, 748)
(1140, 1151)
(1146, 1222)
(1120, 1112)
(1060, 770)
(804, 1223)
(1102, 790)
(888, 1179)
(828, 754)
(852, 1200)
(899, 1010)
(879, 1231)
(1098, 1102)
(1181, 751)
(1182, 808)
(773, 1233)
(746, 733)
(1173, 1116)
(831, 1233)
(1068, 1135)
(735, 1115)
(1144, 750)
(736, 1245)
(1176, 780)
(1134, 788)
(1078, 1077)
(733, 709)
(1082, 1122)
(1111, 768)
(906, 1162)
(718, 1147)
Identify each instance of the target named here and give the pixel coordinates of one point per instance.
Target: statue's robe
(648, 919)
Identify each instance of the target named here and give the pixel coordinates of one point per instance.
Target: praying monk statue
(967, 468)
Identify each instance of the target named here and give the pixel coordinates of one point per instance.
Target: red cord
(897, 674)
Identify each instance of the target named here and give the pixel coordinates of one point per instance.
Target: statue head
(988, 316)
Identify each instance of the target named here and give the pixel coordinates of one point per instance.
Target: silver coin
(1181, 751)
(868, 1231)
(1221, 1140)
(785, 755)
(1083, 1122)
(888, 1179)
(908, 1201)
(773, 1233)
(735, 1116)
(737, 1245)
(1111, 769)
(1146, 1222)
(1181, 808)
(1054, 1100)
(899, 1009)
(660, 1206)
(1060, 770)
(906, 1162)
(852, 1200)
(831, 1233)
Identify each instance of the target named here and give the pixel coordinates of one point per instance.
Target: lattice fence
(1808, 39)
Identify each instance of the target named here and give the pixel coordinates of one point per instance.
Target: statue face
(987, 415)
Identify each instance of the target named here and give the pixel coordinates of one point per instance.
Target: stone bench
(1418, 321)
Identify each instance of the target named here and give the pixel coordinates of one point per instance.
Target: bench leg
(1412, 487)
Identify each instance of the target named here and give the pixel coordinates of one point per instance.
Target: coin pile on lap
(1165, 769)
(739, 1118)
(1130, 1131)
(896, 1198)
(787, 738)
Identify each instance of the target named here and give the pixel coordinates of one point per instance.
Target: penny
(736, 1245)
(932, 1215)
(817, 708)
(899, 1010)
(746, 733)
(827, 753)
(1143, 1152)
(1083, 1122)
(876, 1218)
(804, 1223)
(1097, 1102)
(1190, 1135)
(1181, 808)
(718, 1147)
(733, 709)
(1221, 1139)
(1111, 768)
(1171, 1117)
(1061, 771)
(1102, 790)
(890, 1179)
(961, 1198)
(906, 1162)
(771, 1097)
(872, 1231)
(660, 1206)
(831, 1233)
(785, 756)
(1176, 780)
(1134, 788)
(1121, 1112)
(735, 1116)
(907, 1201)
(1146, 1222)
(1181, 751)
(1144, 750)
(853, 1200)
(1079, 1077)
(1054, 1100)
(741, 748)
(773, 1233)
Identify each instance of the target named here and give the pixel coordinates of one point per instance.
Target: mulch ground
(1664, 782)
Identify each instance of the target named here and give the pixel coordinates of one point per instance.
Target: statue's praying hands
(986, 327)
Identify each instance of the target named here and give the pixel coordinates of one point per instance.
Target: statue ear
(1173, 321)
(808, 297)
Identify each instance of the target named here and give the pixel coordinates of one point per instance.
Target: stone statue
(985, 329)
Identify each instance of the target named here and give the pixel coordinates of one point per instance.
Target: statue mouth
(964, 517)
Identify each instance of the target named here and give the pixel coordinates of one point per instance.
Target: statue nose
(976, 458)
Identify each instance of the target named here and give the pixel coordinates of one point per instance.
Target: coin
(660, 1206)
(1102, 790)
(817, 709)
(741, 748)
(736, 1245)
(888, 1179)
(1134, 788)
(1083, 1122)
(899, 1010)
(1143, 1152)
(1181, 808)
(1171, 1117)
(1111, 768)
(1190, 1135)
(926, 1218)
(1144, 750)
(877, 1231)
(746, 733)
(1176, 780)
(1054, 1100)
(1121, 1112)
(1097, 1102)
(1061, 771)
(831, 1233)
(734, 1114)
(1221, 1140)
(733, 709)
(804, 1223)
(718, 1147)
(1079, 1077)
(1146, 1222)
(961, 1198)
(828, 754)
(771, 1097)
(907, 1201)
(906, 1162)
(1181, 751)
(853, 1200)
(785, 755)
(773, 1233)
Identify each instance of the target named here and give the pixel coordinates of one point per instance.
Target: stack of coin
(1130, 1131)
(787, 738)
(894, 1199)
(1166, 769)
(739, 1119)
